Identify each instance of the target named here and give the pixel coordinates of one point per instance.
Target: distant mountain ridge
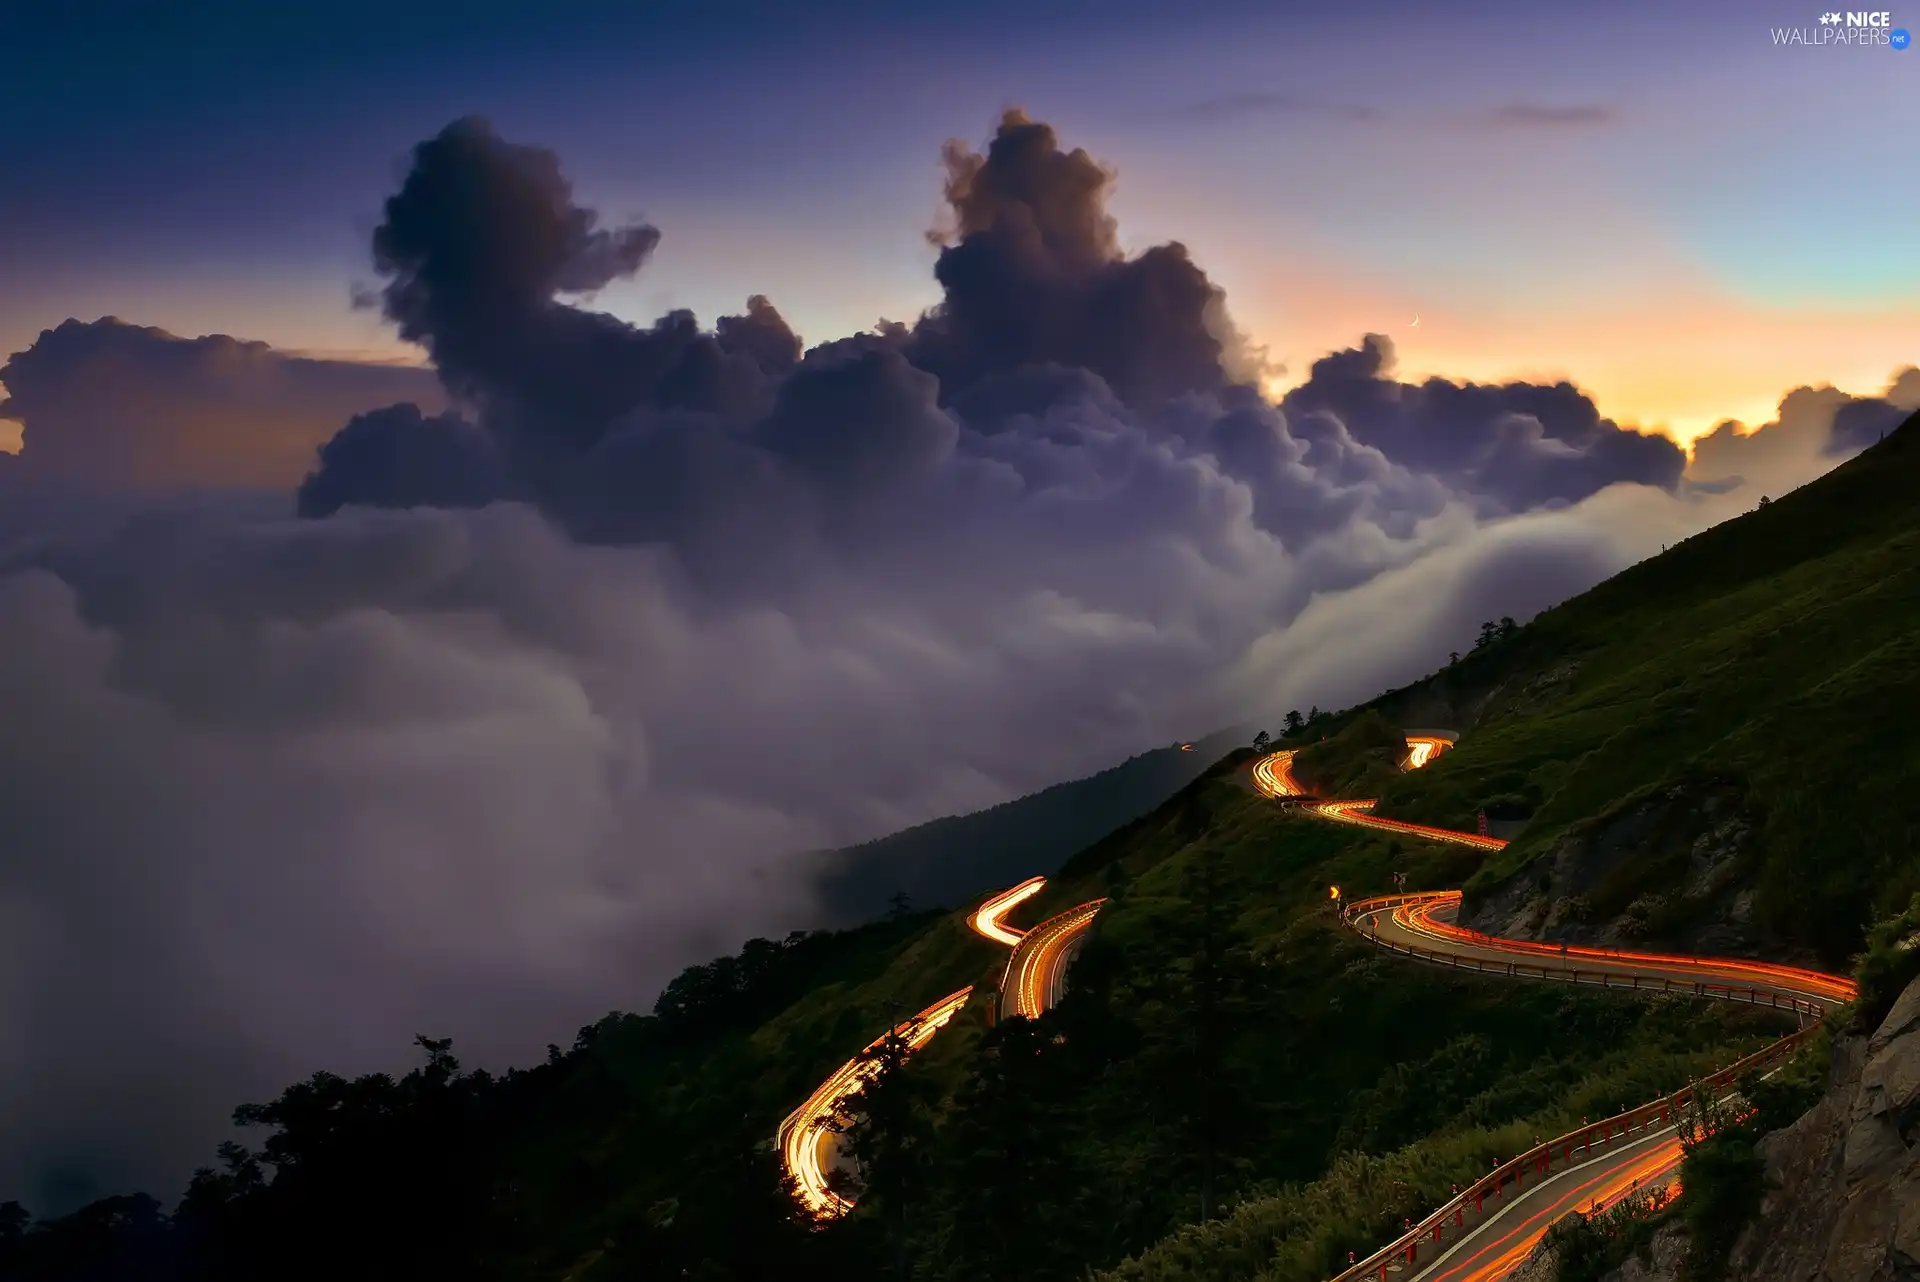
(945, 862)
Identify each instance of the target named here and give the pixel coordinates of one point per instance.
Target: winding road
(1487, 1229)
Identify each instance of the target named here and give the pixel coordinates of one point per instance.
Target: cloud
(1511, 447)
(1259, 102)
(1815, 428)
(1533, 115)
(119, 406)
(524, 709)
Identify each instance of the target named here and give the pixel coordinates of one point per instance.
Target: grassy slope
(951, 860)
(1477, 1064)
(1778, 653)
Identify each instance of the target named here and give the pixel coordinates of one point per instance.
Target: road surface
(1036, 973)
(805, 1136)
(1486, 1232)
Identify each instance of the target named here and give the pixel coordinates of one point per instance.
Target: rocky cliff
(1844, 1181)
(1663, 869)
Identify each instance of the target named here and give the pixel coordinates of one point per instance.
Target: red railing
(1539, 1159)
(1836, 988)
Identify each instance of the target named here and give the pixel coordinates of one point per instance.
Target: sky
(1655, 200)
(427, 627)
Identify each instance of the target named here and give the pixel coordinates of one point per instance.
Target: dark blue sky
(217, 167)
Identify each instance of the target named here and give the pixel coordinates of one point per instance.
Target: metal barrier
(1539, 1159)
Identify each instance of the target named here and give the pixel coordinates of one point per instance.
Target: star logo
(1830, 19)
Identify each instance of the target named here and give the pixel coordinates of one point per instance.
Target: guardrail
(1539, 1160)
(1821, 990)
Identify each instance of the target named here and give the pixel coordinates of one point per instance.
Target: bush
(1588, 1247)
(1723, 1179)
(1890, 963)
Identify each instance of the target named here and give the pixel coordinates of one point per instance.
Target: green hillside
(949, 861)
(1732, 716)
(1223, 1040)
(1710, 747)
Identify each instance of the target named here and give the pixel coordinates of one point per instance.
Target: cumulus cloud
(523, 709)
(1816, 428)
(112, 405)
(1513, 446)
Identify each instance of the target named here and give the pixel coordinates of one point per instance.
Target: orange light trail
(1417, 914)
(1273, 775)
(1418, 917)
(803, 1131)
(1492, 1260)
(1034, 971)
(1034, 974)
(1359, 812)
(985, 919)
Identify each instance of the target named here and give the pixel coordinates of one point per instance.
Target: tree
(1012, 1175)
(899, 904)
(1489, 632)
(1262, 741)
(1764, 500)
(1208, 1093)
(1295, 723)
(888, 1125)
(1507, 626)
(1453, 658)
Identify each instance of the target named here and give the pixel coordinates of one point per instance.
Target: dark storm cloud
(1512, 447)
(121, 406)
(1034, 274)
(300, 789)
(399, 457)
(477, 246)
(1046, 333)
(1862, 421)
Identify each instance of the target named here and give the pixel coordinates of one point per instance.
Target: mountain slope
(1715, 746)
(949, 861)
(1714, 743)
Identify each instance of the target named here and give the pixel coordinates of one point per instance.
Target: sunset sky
(1653, 199)
(370, 697)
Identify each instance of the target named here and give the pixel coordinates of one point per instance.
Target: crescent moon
(1416, 323)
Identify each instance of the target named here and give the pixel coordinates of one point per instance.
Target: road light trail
(985, 919)
(1422, 918)
(1035, 972)
(1034, 979)
(1038, 966)
(805, 1130)
(1420, 925)
(1505, 1240)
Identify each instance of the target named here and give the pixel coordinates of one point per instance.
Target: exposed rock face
(1844, 1204)
(1665, 1256)
(1664, 869)
(1541, 1266)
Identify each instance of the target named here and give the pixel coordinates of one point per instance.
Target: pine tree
(1012, 1176)
(888, 1125)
